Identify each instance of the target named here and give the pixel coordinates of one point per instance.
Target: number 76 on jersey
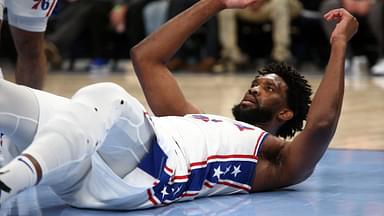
(44, 5)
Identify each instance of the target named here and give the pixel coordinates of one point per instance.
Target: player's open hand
(346, 26)
(239, 3)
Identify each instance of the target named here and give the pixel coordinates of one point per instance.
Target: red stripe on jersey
(168, 169)
(231, 156)
(258, 142)
(213, 157)
(234, 185)
(199, 163)
(51, 8)
(189, 194)
(208, 185)
(150, 197)
(180, 177)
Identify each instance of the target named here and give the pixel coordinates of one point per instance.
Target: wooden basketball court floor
(349, 180)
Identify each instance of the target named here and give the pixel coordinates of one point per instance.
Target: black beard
(252, 115)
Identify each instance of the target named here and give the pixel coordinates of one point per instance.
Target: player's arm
(296, 160)
(150, 56)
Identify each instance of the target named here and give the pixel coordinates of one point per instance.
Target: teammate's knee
(101, 94)
(101, 88)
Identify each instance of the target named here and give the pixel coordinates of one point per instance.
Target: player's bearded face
(252, 115)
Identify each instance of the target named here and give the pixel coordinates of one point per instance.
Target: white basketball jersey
(208, 155)
(192, 156)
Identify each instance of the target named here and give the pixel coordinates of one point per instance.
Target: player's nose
(254, 90)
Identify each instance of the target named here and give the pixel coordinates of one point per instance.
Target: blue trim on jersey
(261, 143)
(154, 161)
(231, 172)
(236, 171)
(238, 174)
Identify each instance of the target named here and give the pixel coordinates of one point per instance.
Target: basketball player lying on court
(102, 150)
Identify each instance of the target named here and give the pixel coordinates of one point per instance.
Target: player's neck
(270, 127)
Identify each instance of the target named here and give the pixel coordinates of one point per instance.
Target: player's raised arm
(297, 159)
(150, 56)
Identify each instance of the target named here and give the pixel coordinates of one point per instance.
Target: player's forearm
(301, 156)
(174, 33)
(326, 105)
(149, 59)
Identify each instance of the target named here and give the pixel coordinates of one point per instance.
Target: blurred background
(95, 35)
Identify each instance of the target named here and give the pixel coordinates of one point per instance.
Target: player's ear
(285, 114)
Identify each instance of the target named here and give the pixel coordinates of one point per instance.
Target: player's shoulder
(212, 118)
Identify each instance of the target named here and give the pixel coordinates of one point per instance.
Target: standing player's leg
(28, 22)
(31, 67)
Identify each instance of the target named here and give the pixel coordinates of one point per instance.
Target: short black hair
(298, 96)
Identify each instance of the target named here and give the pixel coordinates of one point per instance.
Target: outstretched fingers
(347, 24)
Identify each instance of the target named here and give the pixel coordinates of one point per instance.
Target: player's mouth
(248, 101)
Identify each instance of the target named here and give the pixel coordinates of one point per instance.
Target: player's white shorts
(29, 15)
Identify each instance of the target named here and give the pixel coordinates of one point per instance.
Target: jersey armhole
(260, 141)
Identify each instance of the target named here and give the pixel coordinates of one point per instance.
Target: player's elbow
(136, 55)
(299, 177)
(139, 59)
(322, 130)
(143, 60)
(320, 123)
(304, 175)
(324, 121)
